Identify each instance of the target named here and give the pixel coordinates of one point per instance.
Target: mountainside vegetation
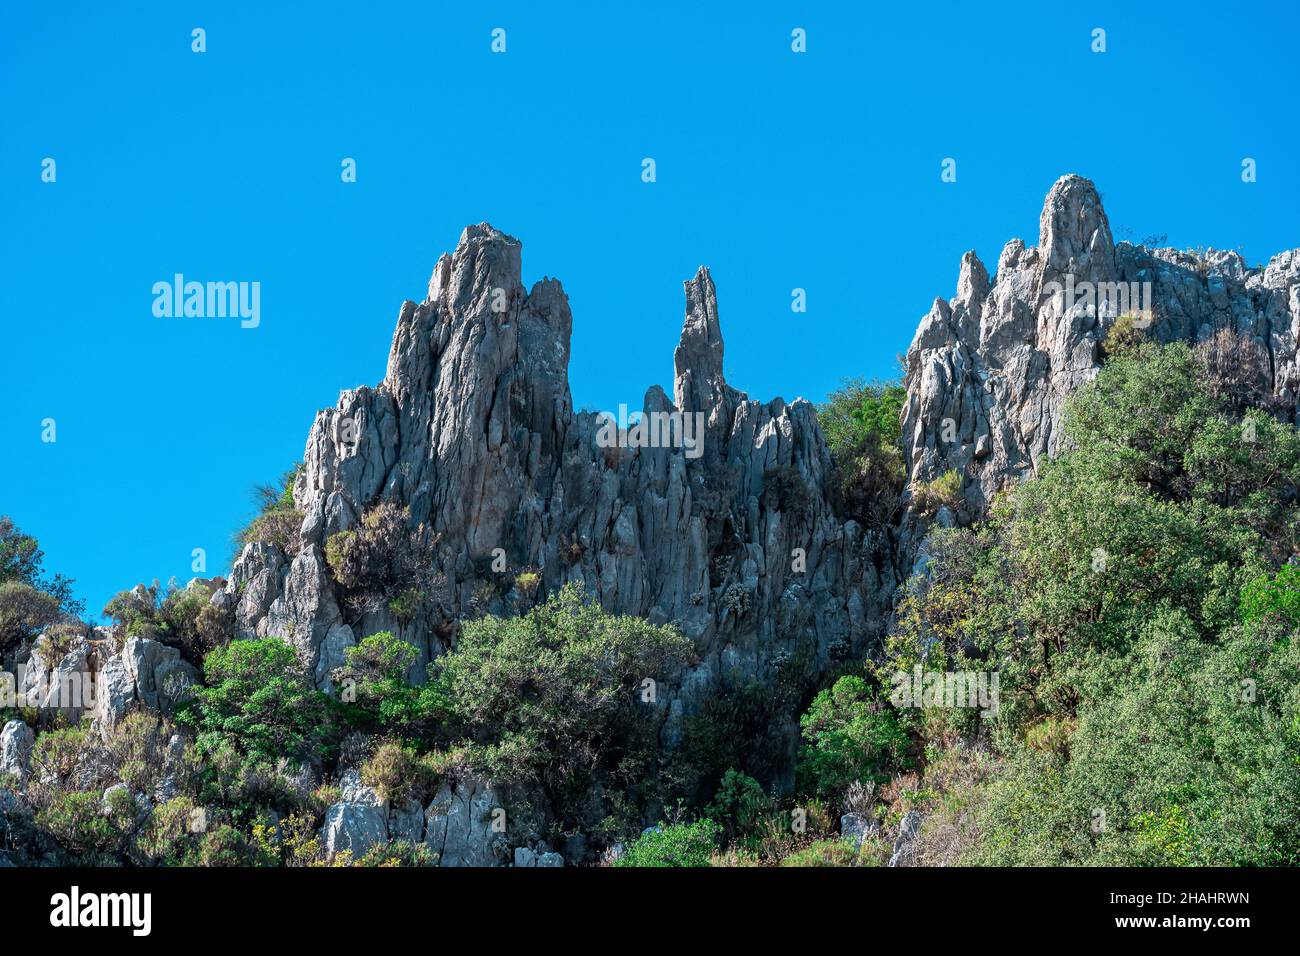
(1102, 671)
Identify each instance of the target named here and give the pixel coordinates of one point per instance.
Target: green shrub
(384, 562)
(943, 492)
(258, 700)
(1124, 596)
(556, 696)
(1273, 596)
(167, 837)
(222, 845)
(91, 827)
(849, 736)
(24, 613)
(1124, 335)
(21, 559)
(278, 521)
(400, 775)
(677, 844)
(376, 692)
(859, 411)
(739, 804)
(821, 853)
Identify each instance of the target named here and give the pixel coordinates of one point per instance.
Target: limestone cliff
(473, 430)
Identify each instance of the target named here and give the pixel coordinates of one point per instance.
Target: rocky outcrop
(465, 825)
(146, 673)
(989, 370)
(727, 534)
(526, 857)
(358, 822)
(904, 850)
(16, 750)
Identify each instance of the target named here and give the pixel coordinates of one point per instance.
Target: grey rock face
(358, 822)
(16, 750)
(527, 857)
(145, 673)
(856, 826)
(989, 370)
(461, 825)
(474, 431)
(353, 827)
(59, 680)
(904, 851)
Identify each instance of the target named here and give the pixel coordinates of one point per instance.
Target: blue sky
(777, 170)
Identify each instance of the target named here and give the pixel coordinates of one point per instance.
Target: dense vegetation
(1131, 610)
(861, 424)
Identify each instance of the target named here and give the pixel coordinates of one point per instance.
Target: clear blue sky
(777, 170)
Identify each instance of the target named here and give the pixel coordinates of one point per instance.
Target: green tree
(564, 696)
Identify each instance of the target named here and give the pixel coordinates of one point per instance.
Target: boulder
(16, 750)
(463, 825)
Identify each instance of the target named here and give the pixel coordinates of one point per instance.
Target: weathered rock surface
(358, 822)
(464, 825)
(904, 850)
(145, 673)
(990, 369)
(59, 679)
(473, 429)
(16, 750)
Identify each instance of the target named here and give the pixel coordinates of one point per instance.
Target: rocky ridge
(473, 431)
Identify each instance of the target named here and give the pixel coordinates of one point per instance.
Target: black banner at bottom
(334, 906)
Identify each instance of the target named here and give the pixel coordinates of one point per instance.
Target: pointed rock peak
(484, 232)
(700, 384)
(1073, 231)
(935, 330)
(486, 259)
(973, 280)
(701, 330)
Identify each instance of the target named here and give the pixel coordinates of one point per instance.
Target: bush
(739, 804)
(861, 423)
(944, 492)
(858, 412)
(222, 845)
(849, 736)
(1124, 335)
(677, 844)
(556, 696)
(865, 483)
(258, 700)
(376, 692)
(278, 521)
(24, 613)
(832, 852)
(400, 775)
(20, 554)
(184, 618)
(1124, 596)
(386, 563)
(20, 563)
(91, 827)
(167, 838)
(1238, 371)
